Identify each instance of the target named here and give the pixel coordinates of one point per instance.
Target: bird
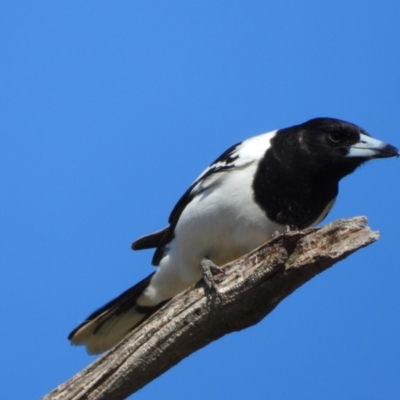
(263, 185)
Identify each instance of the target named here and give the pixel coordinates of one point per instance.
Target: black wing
(222, 163)
(161, 238)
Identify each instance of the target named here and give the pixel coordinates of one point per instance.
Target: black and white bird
(287, 177)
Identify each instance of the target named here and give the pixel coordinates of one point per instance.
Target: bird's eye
(335, 137)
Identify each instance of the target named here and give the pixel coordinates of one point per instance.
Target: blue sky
(109, 110)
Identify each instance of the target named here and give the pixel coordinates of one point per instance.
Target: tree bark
(250, 289)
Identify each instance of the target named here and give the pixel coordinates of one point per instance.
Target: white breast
(222, 223)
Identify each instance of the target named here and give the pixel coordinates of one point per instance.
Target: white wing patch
(237, 157)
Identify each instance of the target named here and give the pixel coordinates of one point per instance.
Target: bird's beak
(368, 147)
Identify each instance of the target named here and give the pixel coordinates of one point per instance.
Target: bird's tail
(109, 324)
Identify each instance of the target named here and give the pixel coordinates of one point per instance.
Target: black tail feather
(121, 304)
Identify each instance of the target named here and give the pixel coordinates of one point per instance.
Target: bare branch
(250, 289)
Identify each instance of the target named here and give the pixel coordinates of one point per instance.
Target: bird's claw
(209, 268)
(290, 228)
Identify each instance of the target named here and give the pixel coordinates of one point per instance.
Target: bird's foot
(290, 228)
(208, 268)
(286, 229)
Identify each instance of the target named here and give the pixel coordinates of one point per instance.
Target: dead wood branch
(252, 287)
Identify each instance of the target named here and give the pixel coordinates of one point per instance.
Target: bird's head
(329, 143)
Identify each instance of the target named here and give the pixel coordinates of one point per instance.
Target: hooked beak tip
(370, 148)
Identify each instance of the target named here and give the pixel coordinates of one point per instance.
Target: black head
(297, 180)
(331, 144)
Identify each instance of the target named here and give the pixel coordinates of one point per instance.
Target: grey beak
(368, 147)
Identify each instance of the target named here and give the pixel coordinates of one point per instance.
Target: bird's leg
(275, 234)
(208, 268)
